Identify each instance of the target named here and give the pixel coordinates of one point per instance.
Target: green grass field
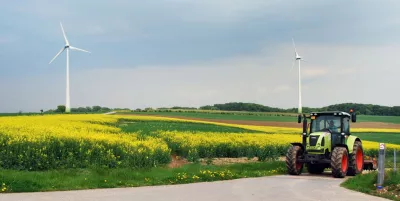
(393, 138)
(148, 127)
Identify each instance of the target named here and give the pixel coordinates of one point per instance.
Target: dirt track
(284, 124)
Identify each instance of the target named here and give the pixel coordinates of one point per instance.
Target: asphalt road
(309, 188)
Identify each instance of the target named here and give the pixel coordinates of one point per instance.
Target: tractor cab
(334, 125)
(335, 122)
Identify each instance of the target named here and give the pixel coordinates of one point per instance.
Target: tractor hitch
(370, 163)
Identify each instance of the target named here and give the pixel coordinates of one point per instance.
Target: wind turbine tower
(298, 58)
(67, 47)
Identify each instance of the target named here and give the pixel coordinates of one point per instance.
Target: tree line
(87, 109)
(365, 109)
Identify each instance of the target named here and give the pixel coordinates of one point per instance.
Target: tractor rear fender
(351, 140)
(298, 144)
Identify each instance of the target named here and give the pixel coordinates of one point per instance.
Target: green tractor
(328, 144)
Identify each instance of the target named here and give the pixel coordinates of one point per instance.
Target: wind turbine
(298, 58)
(67, 47)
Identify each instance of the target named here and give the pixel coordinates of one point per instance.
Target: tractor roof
(336, 113)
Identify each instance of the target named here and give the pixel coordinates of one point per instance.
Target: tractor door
(346, 125)
(335, 122)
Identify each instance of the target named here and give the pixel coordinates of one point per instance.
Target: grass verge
(366, 183)
(90, 178)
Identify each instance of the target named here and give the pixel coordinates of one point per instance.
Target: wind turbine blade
(304, 60)
(57, 54)
(75, 48)
(294, 46)
(294, 61)
(65, 37)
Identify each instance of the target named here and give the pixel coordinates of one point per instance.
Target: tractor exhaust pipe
(304, 131)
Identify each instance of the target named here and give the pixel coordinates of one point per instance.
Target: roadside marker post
(381, 165)
(394, 165)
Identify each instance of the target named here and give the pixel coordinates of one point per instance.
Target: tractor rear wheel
(315, 168)
(293, 166)
(356, 159)
(339, 162)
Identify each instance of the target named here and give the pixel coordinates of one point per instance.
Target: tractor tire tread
(336, 162)
(352, 171)
(291, 160)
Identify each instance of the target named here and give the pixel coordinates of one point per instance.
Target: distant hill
(366, 109)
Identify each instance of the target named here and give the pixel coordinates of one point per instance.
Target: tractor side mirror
(299, 118)
(353, 115)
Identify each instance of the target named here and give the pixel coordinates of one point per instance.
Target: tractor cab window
(323, 122)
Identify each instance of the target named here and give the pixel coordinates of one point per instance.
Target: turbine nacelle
(298, 57)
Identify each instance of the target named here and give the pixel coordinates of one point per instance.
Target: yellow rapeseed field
(263, 146)
(52, 141)
(200, 145)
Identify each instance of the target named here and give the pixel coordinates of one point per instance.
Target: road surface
(283, 187)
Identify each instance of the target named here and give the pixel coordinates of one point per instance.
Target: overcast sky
(164, 53)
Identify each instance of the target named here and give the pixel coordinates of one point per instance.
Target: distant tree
(148, 109)
(61, 108)
(208, 107)
(81, 109)
(88, 109)
(96, 108)
(105, 109)
(364, 109)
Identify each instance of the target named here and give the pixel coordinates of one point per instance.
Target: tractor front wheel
(293, 166)
(339, 162)
(356, 159)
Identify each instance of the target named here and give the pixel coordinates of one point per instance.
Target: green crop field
(258, 116)
(384, 119)
(233, 116)
(393, 138)
(147, 127)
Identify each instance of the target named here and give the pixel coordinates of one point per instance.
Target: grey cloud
(195, 53)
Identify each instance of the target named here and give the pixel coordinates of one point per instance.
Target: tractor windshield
(319, 123)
